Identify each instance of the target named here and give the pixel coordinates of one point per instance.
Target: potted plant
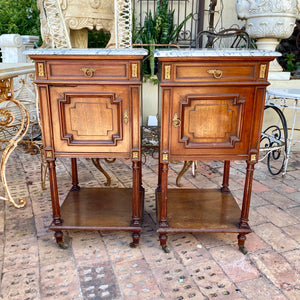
(158, 30)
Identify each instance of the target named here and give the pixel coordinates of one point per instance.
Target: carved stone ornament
(268, 21)
(65, 23)
(269, 18)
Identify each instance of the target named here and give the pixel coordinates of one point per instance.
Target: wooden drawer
(192, 72)
(93, 70)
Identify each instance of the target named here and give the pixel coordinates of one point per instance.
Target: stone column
(12, 48)
(29, 42)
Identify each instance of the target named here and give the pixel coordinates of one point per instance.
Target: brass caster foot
(243, 250)
(63, 245)
(133, 245)
(166, 249)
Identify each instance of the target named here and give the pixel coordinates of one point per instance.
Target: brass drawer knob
(88, 72)
(216, 73)
(176, 121)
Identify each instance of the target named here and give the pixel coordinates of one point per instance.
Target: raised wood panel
(211, 119)
(87, 119)
(45, 116)
(93, 118)
(136, 126)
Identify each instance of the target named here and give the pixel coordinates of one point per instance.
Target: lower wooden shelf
(97, 209)
(201, 210)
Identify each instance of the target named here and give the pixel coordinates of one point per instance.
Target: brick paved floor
(100, 265)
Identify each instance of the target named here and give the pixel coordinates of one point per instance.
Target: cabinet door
(91, 119)
(211, 121)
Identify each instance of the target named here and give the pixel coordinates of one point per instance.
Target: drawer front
(90, 119)
(206, 71)
(211, 124)
(93, 70)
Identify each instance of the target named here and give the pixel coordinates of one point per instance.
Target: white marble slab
(10, 70)
(289, 93)
(212, 52)
(90, 51)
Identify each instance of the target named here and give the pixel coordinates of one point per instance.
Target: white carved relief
(268, 21)
(251, 8)
(277, 28)
(60, 17)
(269, 18)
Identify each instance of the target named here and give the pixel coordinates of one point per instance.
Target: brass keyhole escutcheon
(216, 73)
(176, 121)
(88, 72)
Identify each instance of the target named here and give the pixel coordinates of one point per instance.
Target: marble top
(90, 51)
(212, 52)
(293, 93)
(10, 70)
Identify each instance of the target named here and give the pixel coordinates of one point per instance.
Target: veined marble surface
(212, 52)
(10, 70)
(90, 51)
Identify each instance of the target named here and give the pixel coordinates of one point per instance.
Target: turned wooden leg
(60, 241)
(225, 184)
(142, 192)
(136, 202)
(136, 210)
(75, 186)
(163, 223)
(164, 196)
(54, 193)
(241, 243)
(163, 242)
(57, 221)
(135, 239)
(247, 196)
(246, 204)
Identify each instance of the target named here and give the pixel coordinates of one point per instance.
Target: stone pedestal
(12, 48)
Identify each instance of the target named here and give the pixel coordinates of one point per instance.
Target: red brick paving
(100, 265)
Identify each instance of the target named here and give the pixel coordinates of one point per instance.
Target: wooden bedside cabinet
(90, 107)
(211, 108)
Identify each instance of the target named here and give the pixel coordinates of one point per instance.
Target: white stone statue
(65, 23)
(268, 21)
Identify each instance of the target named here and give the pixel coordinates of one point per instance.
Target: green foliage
(291, 64)
(19, 16)
(98, 39)
(157, 29)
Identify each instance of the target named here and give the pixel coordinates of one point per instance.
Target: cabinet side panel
(87, 119)
(45, 116)
(165, 122)
(135, 117)
(257, 119)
